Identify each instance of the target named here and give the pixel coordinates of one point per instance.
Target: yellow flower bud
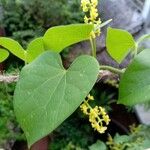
(85, 5)
(90, 97)
(102, 129)
(106, 119)
(86, 19)
(84, 108)
(94, 2)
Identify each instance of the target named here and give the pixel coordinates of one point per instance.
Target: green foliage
(4, 54)
(26, 19)
(13, 46)
(134, 85)
(36, 99)
(18, 23)
(138, 139)
(54, 37)
(66, 11)
(73, 134)
(119, 43)
(9, 130)
(53, 40)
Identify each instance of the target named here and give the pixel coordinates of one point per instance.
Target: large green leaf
(135, 83)
(35, 48)
(119, 43)
(60, 37)
(3, 54)
(13, 46)
(47, 94)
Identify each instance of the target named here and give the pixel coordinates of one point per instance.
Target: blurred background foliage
(9, 128)
(23, 20)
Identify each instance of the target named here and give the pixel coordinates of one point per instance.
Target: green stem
(112, 69)
(136, 50)
(93, 45)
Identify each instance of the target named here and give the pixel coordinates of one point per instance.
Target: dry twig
(8, 78)
(104, 74)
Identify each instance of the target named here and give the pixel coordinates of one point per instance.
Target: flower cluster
(91, 15)
(97, 115)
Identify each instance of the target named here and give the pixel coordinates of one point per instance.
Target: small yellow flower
(93, 34)
(90, 97)
(91, 17)
(93, 14)
(102, 129)
(97, 115)
(106, 119)
(84, 108)
(102, 110)
(96, 110)
(86, 19)
(94, 2)
(85, 5)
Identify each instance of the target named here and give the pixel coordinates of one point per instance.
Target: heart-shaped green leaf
(35, 48)
(3, 54)
(60, 37)
(13, 46)
(47, 94)
(119, 43)
(135, 83)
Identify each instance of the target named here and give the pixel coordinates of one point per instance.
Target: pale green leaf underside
(3, 54)
(13, 46)
(58, 38)
(47, 94)
(135, 83)
(119, 43)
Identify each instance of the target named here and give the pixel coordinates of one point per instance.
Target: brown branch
(103, 75)
(8, 78)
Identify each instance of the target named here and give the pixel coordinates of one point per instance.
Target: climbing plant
(47, 93)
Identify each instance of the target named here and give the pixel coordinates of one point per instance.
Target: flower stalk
(89, 7)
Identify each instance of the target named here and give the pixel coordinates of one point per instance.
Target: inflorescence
(89, 7)
(97, 115)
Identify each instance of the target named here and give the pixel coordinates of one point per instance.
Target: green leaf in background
(120, 139)
(99, 145)
(135, 83)
(59, 37)
(13, 46)
(35, 48)
(3, 54)
(119, 43)
(55, 39)
(47, 94)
